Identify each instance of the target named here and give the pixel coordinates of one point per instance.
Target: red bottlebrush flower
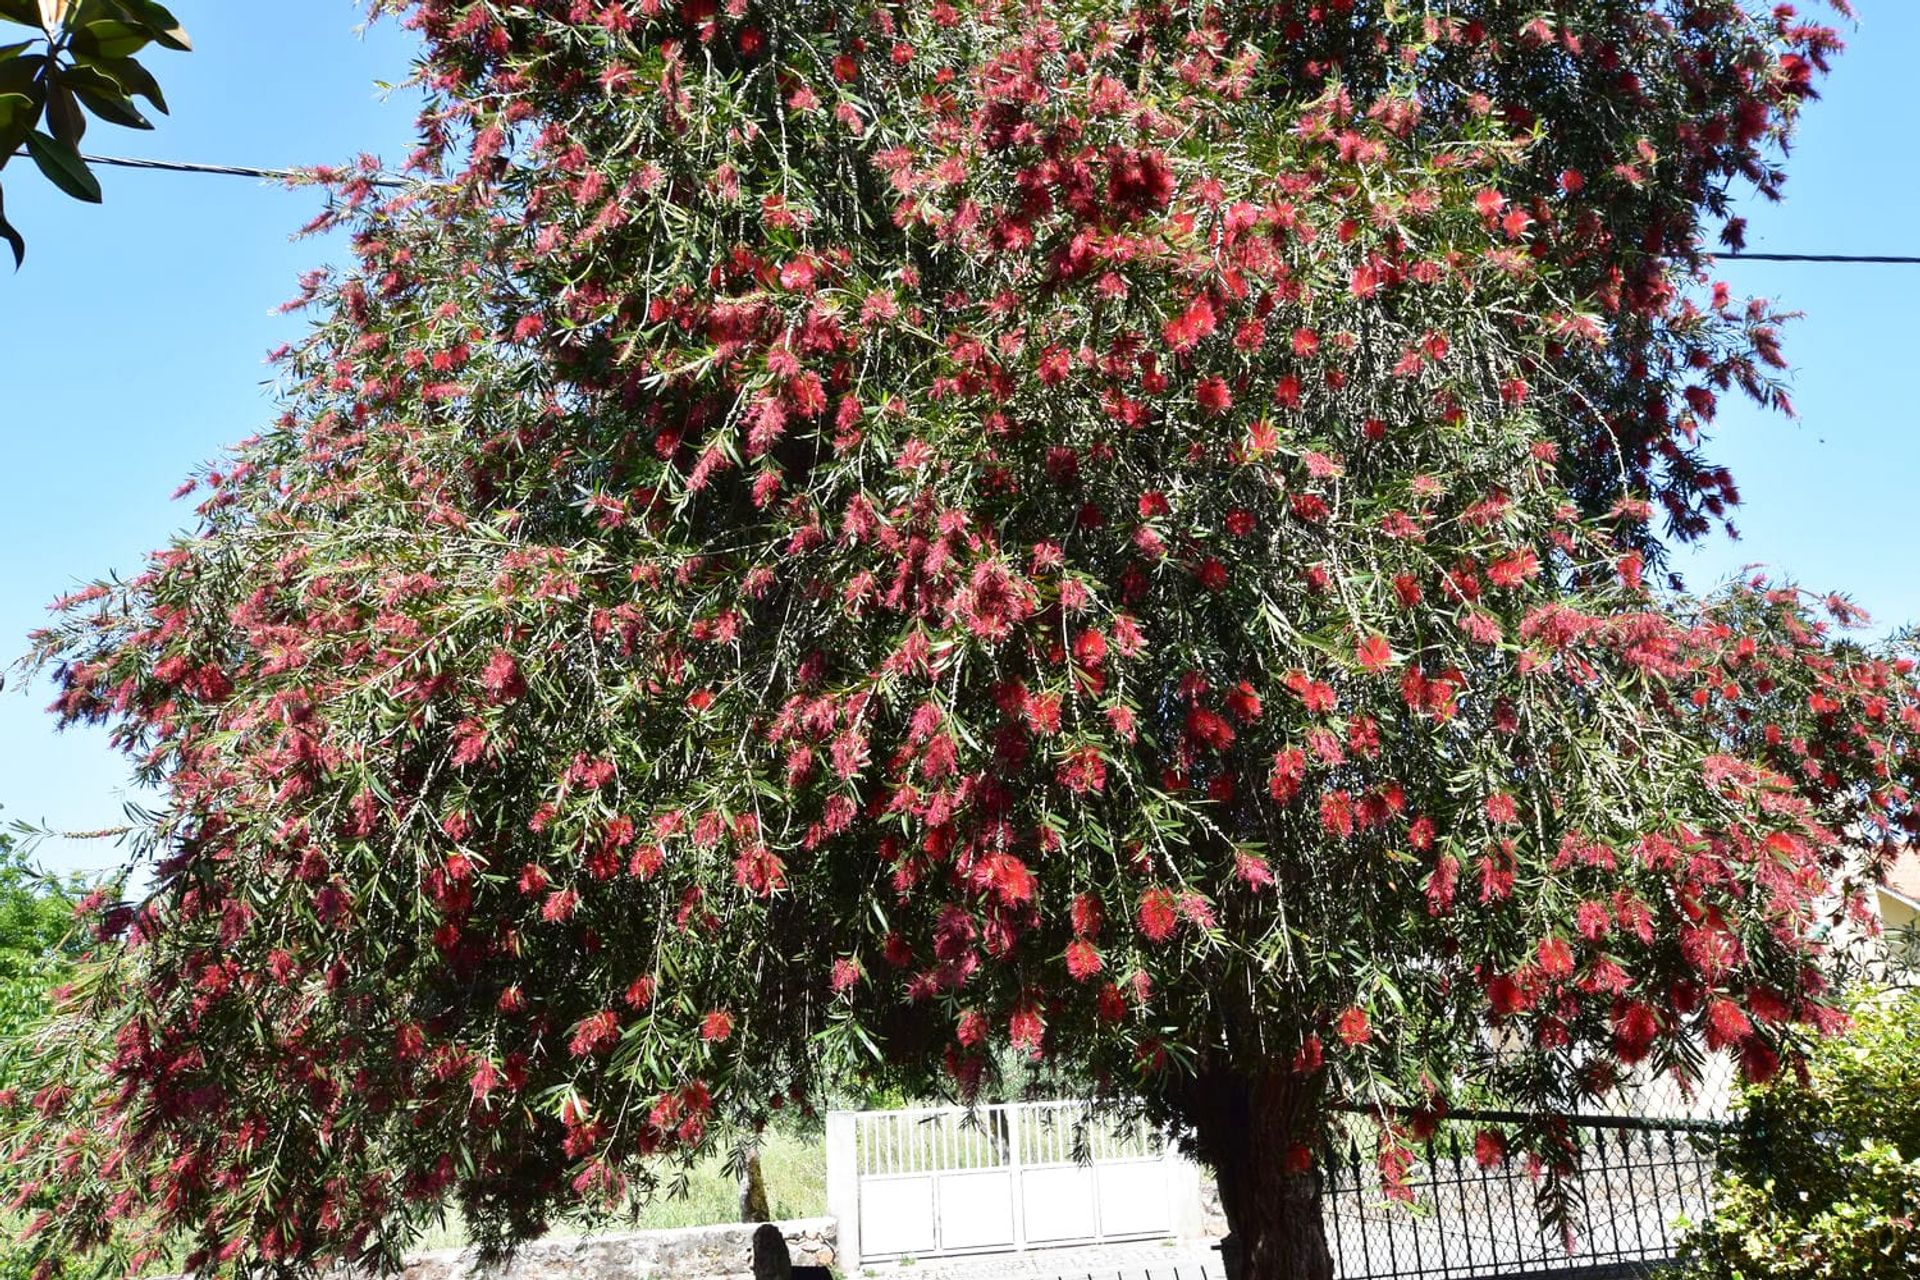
(1555, 959)
(1373, 653)
(1042, 712)
(1289, 770)
(844, 976)
(1243, 703)
(1026, 1028)
(502, 680)
(1211, 574)
(1592, 920)
(1209, 728)
(972, 1028)
(1758, 1061)
(1336, 813)
(595, 1034)
(1352, 1027)
(1083, 960)
(760, 871)
(1090, 649)
(1010, 879)
(1138, 182)
(1087, 914)
(1309, 1057)
(1299, 1159)
(1185, 331)
(1213, 395)
(1252, 870)
(1489, 1148)
(1501, 809)
(1726, 1024)
(1158, 915)
(716, 1026)
(1634, 1029)
(1084, 770)
(1442, 882)
(560, 905)
(639, 992)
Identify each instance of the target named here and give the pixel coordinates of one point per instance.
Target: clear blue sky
(131, 346)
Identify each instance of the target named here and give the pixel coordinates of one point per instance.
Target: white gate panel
(1134, 1199)
(939, 1181)
(976, 1211)
(896, 1216)
(1058, 1204)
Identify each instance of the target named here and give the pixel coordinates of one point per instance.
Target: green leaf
(24, 11)
(98, 92)
(65, 120)
(14, 239)
(157, 21)
(22, 75)
(110, 39)
(114, 108)
(63, 166)
(15, 50)
(130, 76)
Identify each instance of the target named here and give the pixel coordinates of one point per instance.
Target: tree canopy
(827, 539)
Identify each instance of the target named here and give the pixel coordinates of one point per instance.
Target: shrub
(1824, 1180)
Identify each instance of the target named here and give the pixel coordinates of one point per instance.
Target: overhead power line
(225, 170)
(1822, 257)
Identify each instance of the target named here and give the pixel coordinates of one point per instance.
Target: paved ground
(1158, 1260)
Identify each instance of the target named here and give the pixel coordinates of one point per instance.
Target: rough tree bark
(753, 1189)
(1245, 1129)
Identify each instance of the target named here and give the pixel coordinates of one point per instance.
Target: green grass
(795, 1169)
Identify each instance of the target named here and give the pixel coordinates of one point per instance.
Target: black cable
(1821, 257)
(228, 170)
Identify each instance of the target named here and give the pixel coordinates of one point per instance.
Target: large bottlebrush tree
(832, 539)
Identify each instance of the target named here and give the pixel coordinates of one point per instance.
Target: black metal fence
(1466, 1218)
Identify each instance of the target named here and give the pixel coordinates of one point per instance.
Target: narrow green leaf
(14, 239)
(64, 167)
(8, 51)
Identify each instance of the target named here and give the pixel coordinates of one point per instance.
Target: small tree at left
(79, 62)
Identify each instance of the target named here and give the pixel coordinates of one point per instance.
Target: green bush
(1823, 1181)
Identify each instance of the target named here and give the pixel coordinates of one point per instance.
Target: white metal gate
(934, 1182)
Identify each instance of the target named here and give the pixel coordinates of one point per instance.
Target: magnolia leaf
(130, 77)
(110, 39)
(14, 239)
(157, 21)
(114, 108)
(63, 166)
(65, 120)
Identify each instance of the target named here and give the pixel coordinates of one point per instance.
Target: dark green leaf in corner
(63, 166)
(14, 240)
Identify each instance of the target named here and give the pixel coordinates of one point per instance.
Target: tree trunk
(1246, 1130)
(753, 1190)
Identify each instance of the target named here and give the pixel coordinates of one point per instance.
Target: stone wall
(722, 1252)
